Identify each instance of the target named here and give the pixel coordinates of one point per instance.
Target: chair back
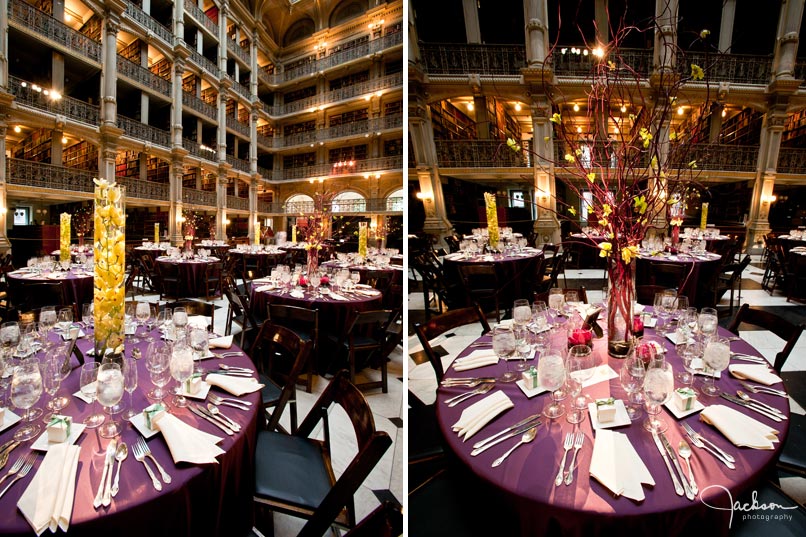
(442, 323)
(303, 321)
(385, 521)
(212, 277)
(194, 307)
(668, 275)
(779, 326)
(33, 295)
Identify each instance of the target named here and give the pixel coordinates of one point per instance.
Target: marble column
(4, 43)
(665, 48)
(546, 225)
(770, 145)
(176, 106)
(109, 76)
(472, 27)
(786, 44)
(5, 245)
(221, 203)
(175, 228)
(537, 33)
(252, 210)
(726, 25)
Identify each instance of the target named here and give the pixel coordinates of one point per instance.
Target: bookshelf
(243, 115)
(83, 156)
(349, 117)
(795, 130)
(208, 182)
(190, 83)
(349, 80)
(127, 164)
(209, 95)
(393, 67)
(266, 130)
(189, 180)
(232, 108)
(393, 108)
(268, 68)
(450, 123)
(299, 160)
(35, 147)
(355, 152)
(743, 128)
(92, 28)
(131, 52)
(349, 44)
(299, 63)
(158, 170)
(46, 6)
(297, 128)
(162, 69)
(393, 148)
(302, 93)
(502, 125)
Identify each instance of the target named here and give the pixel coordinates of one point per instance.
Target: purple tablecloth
(587, 508)
(79, 286)
(200, 500)
(699, 281)
(515, 274)
(192, 275)
(396, 274)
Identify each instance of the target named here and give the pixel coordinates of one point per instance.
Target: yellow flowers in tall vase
(362, 239)
(110, 264)
(64, 237)
(492, 219)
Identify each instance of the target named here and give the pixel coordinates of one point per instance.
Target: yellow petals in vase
(492, 219)
(110, 265)
(362, 239)
(64, 237)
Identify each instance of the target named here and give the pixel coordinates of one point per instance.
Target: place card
(42, 444)
(621, 418)
(680, 414)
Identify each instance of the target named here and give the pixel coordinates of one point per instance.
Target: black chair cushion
(425, 438)
(793, 455)
(270, 392)
(290, 469)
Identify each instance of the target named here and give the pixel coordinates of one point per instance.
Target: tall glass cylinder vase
(313, 258)
(621, 297)
(362, 239)
(110, 264)
(64, 237)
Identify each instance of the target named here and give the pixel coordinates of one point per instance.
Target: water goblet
(87, 381)
(143, 313)
(9, 337)
(551, 375)
(130, 383)
(87, 317)
(658, 388)
(47, 316)
(556, 301)
(158, 363)
(504, 345)
(690, 354)
(315, 279)
(51, 382)
(355, 277)
(181, 367)
(180, 321)
(716, 357)
(707, 322)
(521, 312)
(109, 392)
(522, 347)
(631, 376)
(199, 343)
(64, 319)
(26, 388)
(580, 368)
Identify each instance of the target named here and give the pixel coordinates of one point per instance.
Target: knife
(110, 456)
(99, 496)
(678, 488)
(766, 407)
(516, 432)
(232, 373)
(518, 425)
(686, 486)
(214, 422)
(751, 406)
(465, 380)
(220, 419)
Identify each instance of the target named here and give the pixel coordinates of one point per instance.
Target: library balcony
(149, 25)
(144, 79)
(139, 131)
(200, 17)
(456, 59)
(25, 95)
(29, 20)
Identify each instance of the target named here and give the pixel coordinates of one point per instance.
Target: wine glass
(158, 364)
(180, 321)
(716, 357)
(26, 388)
(571, 299)
(64, 319)
(152, 321)
(551, 375)
(690, 354)
(142, 312)
(315, 279)
(503, 346)
(521, 312)
(109, 392)
(707, 322)
(51, 382)
(130, 383)
(9, 337)
(580, 368)
(87, 317)
(632, 380)
(355, 277)
(47, 316)
(658, 388)
(522, 347)
(181, 370)
(556, 300)
(87, 380)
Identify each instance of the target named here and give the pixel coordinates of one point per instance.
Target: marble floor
(422, 383)
(386, 480)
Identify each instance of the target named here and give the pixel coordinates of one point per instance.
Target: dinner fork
(453, 401)
(147, 452)
(578, 441)
(707, 444)
(14, 467)
(567, 445)
(25, 467)
(140, 457)
(234, 403)
(762, 389)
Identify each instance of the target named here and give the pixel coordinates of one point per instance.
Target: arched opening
(302, 29)
(349, 202)
(394, 201)
(299, 203)
(347, 10)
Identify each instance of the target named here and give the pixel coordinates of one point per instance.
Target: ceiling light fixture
(470, 106)
(680, 111)
(623, 109)
(517, 107)
(576, 108)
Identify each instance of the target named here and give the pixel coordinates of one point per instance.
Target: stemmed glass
(315, 279)
(87, 380)
(65, 319)
(51, 382)
(690, 354)
(522, 347)
(87, 317)
(504, 345)
(26, 388)
(158, 363)
(716, 357)
(355, 277)
(556, 302)
(181, 370)
(9, 337)
(164, 320)
(109, 392)
(580, 368)
(707, 323)
(180, 321)
(143, 313)
(47, 318)
(551, 375)
(658, 388)
(130, 383)
(632, 380)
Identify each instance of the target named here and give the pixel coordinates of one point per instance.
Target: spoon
(216, 412)
(226, 367)
(744, 397)
(453, 401)
(120, 456)
(685, 451)
(527, 437)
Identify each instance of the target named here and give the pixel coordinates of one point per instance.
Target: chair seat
(270, 393)
(793, 456)
(290, 469)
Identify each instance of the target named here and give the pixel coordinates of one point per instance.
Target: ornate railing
(235, 202)
(67, 106)
(265, 207)
(393, 121)
(333, 96)
(740, 68)
(394, 204)
(791, 160)
(236, 49)
(196, 150)
(40, 175)
(298, 207)
(148, 190)
(477, 154)
(450, 59)
(716, 157)
(31, 19)
(141, 131)
(355, 128)
(149, 23)
(349, 206)
(299, 138)
(142, 75)
(238, 164)
(265, 141)
(265, 173)
(204, 63)
(198, 15)
(241, 90)
(195, 103)
(192, 196)
(237, 126)
(568, 63)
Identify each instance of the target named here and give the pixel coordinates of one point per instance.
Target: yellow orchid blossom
(692, 164)
(628, 253)
(513, 145)
(569, 157)
(645, 135)
(640, 204)
(604, 249)
(546, 138)
(696, 72)
(611, 65)
(676, 222)
(672, 136)
(603, 222)
(591, 177)
(572, 211)
(556, 118)
(705, 32)
(578, 152)
(606, 210)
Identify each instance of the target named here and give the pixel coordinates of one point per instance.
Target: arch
(394, 201)
(346, 10)
(302, 29)
(299, 203)
(349, 201)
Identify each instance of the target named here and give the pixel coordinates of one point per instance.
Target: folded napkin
(479, 358)
(616, 465)
(338, 296)
(47, 503)
(237, 386)
(757, 372)
(223, 342)
(480, 413)
(186, 443)
(56, 276)
(264, 288)
(739, 428)
(367, 292)
(601, 373)
(297, 294)
(198, 321)
(83, 397)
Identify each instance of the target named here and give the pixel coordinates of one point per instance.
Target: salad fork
(14, 467)
(234, 403)
(140, 457)
(22, 471)
(578, 441)
(453, 401)
(567, 445)
(146, 451)
(762, 389)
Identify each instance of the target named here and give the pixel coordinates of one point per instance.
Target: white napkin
(479, 358)
(616, 465)
(297, 294)
(757, 372)
(237, 386)
(55, 276)
(223, 342)
(480, 413)
(739, 428)
(338, 296)
(264, 288)
(186, 443)
(83, 397)
(601, 373)
(198, 321)
(48, 500)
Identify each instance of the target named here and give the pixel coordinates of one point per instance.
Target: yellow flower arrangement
(64, 237)
(110, 263)
(362, 239)
(492, 219)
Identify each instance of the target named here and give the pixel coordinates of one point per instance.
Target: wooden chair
(386, 520)
(195, 307)
(453, 243)
(554, 266)
(275, 342)
(304, 323)
(480, 281)
(168, 277)
(366, 335)
(294, 475)
(33, 295)
(212, 280)
(730, 275)
(238, 313)
(645, 294)
(668, 275)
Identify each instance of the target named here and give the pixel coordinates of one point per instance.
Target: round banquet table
(395, 272)
(586, 507)
(262, 260)
(700, 278)
(212, 499)
(515, 273)
(191, 273)
(77, 282)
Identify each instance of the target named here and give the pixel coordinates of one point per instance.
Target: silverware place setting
(228, 401)
(18, 470)
(453, 401)
(701, 442)
(579, 440)
(568, 443)
(774, 416)
(512, 431)
(527, 437)
(755, 388)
